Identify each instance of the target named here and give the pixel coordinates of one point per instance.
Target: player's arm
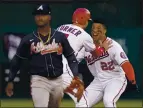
(73, 64)
(14, 67)
(5, 44)
(22, 53)
(129, 70)
(89, 46)
(81, 54)
(122, 59)
(68, 52)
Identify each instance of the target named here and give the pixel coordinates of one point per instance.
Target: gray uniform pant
(46, 92)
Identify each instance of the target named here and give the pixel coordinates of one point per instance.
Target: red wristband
(99, 50)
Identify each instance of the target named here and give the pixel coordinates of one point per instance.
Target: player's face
(98, 31)
(42, 20)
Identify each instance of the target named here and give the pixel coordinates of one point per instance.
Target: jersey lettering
(107, 66)
(74, 31)
(91, 59)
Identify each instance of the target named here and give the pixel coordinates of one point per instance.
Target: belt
(49, 78)
(46, 76)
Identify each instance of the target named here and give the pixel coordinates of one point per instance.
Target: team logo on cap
(40, 8)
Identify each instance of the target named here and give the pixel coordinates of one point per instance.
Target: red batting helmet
(81, 16)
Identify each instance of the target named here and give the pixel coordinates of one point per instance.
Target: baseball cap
(43, 9)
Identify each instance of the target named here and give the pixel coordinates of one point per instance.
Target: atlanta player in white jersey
(109, 71)
(79, 38)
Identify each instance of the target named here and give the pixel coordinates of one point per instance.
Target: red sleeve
(128, 69)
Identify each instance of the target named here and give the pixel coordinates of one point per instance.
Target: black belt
(46, 76)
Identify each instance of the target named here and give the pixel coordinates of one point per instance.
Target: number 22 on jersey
(107, 65)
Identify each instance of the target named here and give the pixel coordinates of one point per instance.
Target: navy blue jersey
(45, 57)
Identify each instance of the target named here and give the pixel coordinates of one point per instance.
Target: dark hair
(101, 21)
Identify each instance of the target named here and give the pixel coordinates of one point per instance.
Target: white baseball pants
(109, 91)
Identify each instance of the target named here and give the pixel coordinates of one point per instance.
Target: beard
(43, 25)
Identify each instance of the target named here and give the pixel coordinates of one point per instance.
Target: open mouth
(95, 35)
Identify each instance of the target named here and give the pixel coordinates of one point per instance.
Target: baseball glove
(132, 87)
(78, 85)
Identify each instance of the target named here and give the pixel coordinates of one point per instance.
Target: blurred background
(123, 17)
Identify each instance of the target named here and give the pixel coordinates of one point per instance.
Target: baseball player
(44, 48)
(109, 71)
(79, 38)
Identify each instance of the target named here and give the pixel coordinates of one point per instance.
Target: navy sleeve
(73, 64)
(67, 49)
(23, 51)
(69, 54)
(14, 67)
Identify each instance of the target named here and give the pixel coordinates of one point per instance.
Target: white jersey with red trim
(108, 65)
(78, 38)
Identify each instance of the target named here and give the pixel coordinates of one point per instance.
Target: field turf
(65, 103)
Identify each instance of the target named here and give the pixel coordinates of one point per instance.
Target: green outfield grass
(66, 103)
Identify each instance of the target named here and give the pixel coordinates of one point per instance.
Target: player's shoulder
(62, 26)
(65, 25)
(59, 34)
(115, 44)
(84, 34)
(27, 37)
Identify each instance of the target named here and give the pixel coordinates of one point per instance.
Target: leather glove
(132, 87)
(78, 85)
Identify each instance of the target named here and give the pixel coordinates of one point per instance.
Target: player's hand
(102, 47)
(78, 85)
(132, 87)
(135, 87)
(106, 44)
(9, 89)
